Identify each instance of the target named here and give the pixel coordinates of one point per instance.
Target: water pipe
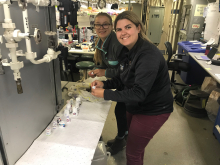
(12, 36)
(12, 45)
(51, 54)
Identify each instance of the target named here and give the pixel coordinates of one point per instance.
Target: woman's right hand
(91, 73)
(97, 84)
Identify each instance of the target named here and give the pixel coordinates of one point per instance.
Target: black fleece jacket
(145, 79)
(111, 49)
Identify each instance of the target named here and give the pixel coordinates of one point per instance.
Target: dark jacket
(144, 76)
(111, 49)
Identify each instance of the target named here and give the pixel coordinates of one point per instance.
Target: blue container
(216, 130)
(195, 47)
(192, 77)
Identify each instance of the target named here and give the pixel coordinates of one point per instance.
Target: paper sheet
(218, 75)
(73, 145)
(199, 10)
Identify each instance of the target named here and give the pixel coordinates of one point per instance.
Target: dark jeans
(141, 129)
(120, 114)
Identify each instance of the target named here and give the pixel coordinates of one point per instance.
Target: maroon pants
(141, 128)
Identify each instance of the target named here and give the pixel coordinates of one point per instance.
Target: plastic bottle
(68, 119)
(48, 131)
(54, 124)
(71, 104)
(66, 111)
(78, 101)
(75, 111)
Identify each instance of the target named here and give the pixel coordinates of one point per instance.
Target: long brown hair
(98, 53)
(131, 16)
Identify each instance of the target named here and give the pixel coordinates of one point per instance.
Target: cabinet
(156, 17)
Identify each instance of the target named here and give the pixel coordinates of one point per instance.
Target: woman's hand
(97, 84)
(99, 72)
(98, 92)
(91, 73)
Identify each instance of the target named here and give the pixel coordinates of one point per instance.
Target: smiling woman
(107, 47)
(145, 82)
(127, 33)
(130, 23)
(103, 26)
(106, 58)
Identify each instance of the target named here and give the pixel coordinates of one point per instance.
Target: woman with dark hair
(146, 85)
(106, 58)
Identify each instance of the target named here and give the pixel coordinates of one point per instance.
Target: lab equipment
(40, 83)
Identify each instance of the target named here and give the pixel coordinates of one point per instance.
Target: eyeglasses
(104, 26)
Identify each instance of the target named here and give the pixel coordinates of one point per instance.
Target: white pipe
(23, 35)
(15, 61)
(26, 30)
(5, 64)
(15, 65)
(7, 13)
(38, 61)
(3, 1)
(13, 55)
(51, 54)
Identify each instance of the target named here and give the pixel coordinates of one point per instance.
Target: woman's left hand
(99, 72)
(98, 92)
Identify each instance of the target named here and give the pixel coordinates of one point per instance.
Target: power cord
(64, 87)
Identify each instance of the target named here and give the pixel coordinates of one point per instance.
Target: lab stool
(195, 103)
(86, 57)
(85, 65)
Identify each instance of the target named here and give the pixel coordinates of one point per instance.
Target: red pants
(141, 128)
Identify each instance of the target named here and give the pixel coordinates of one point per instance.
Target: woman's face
(103, 26)
(127, 33)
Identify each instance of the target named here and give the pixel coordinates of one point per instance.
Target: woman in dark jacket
(146, 86)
